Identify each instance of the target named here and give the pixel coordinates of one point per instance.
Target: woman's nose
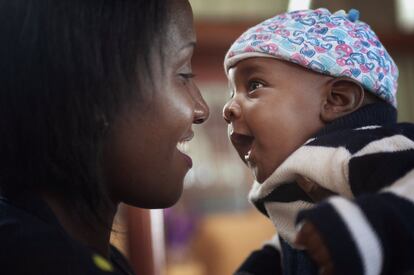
(201, 110)
(231, 111)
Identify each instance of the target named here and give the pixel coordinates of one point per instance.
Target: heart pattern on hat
(311, 37)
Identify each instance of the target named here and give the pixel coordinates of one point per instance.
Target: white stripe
(370, 127)
(365, 238)
(283, 216)
(327, 166)
(310, 140)
(404, 187)
(389, 144)
(274, 242)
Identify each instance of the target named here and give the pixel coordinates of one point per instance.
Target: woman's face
(144, 161)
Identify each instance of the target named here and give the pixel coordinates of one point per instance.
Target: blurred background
(213, 227)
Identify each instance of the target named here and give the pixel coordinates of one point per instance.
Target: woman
(96, 98)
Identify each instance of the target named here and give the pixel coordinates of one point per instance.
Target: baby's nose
(231, 111)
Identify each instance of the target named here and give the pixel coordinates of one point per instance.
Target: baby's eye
(254, 85)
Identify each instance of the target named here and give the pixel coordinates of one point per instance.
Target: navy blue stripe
(355, 140)
(288, 192)
(296, 262)
(262, 262)
(370, 173)
(372, 114)
(393, 220)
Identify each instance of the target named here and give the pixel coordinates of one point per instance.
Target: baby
(313, 115)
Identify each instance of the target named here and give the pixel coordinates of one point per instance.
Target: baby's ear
(343, 96)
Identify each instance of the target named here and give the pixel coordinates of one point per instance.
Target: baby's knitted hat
(334, 44)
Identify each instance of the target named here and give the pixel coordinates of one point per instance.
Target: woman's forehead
(180, 25)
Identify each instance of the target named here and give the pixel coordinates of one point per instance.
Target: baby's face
(274, 108)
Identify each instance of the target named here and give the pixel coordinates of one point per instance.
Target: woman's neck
(94, 236)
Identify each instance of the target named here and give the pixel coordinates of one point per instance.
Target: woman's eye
(254, 85)
(187, 76)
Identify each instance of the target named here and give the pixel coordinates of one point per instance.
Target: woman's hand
(310, 239)
(316, 192)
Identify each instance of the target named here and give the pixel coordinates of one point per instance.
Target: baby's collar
(372, 114)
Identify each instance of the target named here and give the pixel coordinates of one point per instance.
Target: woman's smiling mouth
(183, 146)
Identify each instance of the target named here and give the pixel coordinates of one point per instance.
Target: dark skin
(143, 164)
(271, 114)
(276, 106)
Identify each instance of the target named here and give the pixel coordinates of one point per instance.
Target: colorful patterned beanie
(334, 44)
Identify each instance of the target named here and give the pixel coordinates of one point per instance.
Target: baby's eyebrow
(250, 69)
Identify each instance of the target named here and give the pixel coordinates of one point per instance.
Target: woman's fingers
(310, 239)
(316, 192)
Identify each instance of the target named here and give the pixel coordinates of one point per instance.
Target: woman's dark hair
(66, 69)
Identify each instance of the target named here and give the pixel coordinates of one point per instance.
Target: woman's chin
(157, 200)
(168, 200)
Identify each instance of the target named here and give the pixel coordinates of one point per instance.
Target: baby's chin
(261, 174)
(260, 179)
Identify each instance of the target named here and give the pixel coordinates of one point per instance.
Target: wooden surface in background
(224, 241)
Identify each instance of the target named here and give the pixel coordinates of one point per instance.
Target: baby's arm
(266, 261)
(374, 233)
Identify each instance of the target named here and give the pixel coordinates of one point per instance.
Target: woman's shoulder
(33, 244)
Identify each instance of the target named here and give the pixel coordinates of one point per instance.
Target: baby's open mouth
(243, 144)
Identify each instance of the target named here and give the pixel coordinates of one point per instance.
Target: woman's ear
(343, 96)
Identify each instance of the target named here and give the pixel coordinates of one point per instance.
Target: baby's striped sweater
(367, 159)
